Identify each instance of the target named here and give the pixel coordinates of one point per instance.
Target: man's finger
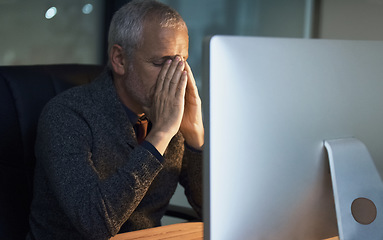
(181, 88)
(191, 79)
(162, 74)
(170, 72)
(191, 89)
(174, 82)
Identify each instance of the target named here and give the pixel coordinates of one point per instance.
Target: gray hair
(127, 23)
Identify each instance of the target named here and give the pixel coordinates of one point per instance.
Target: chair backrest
(24, 90)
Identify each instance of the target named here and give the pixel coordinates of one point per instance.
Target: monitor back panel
(269, 105)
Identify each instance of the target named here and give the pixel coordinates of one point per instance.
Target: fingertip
(185, 75)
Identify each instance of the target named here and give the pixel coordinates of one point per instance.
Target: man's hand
(176, 105)
(192, 125)
(167, 109)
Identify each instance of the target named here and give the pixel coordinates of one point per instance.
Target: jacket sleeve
(95, 205)
(191, 178)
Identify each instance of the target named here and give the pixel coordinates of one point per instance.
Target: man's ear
(117, 59)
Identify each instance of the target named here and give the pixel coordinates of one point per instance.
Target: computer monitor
(269, 104)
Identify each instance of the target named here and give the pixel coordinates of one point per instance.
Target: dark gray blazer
(93, 179)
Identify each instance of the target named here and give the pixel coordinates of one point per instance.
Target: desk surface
(184, 231)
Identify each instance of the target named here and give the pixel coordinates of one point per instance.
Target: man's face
(159, 44)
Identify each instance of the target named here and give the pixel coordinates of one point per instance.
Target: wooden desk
(184, 231)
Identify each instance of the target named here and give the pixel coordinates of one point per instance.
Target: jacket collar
(105, 97)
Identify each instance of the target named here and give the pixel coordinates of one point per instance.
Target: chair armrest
(181, 212)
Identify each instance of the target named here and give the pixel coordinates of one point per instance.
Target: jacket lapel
(106, 99)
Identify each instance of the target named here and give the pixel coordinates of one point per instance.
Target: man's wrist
(195, 140)
(159, 140)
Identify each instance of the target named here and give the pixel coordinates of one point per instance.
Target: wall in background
(351, 19)
(71, 35)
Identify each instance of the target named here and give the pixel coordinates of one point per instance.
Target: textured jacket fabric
(92, 178)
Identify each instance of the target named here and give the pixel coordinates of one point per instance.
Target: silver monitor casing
(269, 104)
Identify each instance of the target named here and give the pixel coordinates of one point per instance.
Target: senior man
(99, 173)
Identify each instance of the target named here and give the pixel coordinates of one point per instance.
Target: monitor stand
(358, 190)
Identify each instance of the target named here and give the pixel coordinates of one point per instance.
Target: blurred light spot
(50, 13)
(87, 8)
